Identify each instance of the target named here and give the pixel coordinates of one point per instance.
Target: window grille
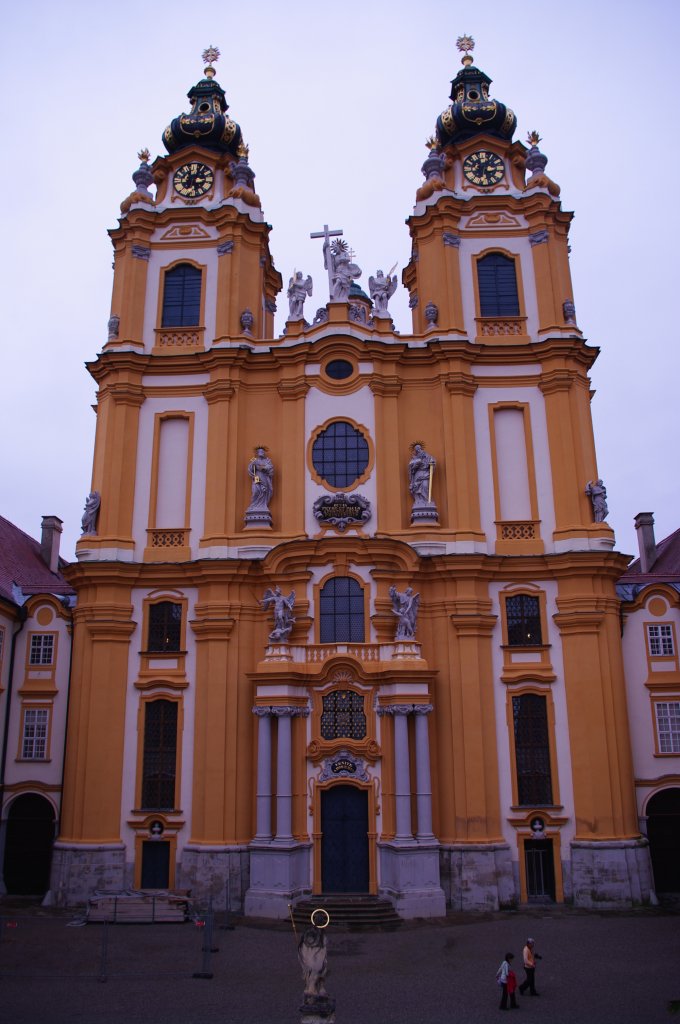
(340, 454)
(34, 740)
(165, 626)
(532, 750)
(668, 726)
(523, 616)
(343, 715)
(660, 640)
(42, 649)
(341, 611)
(160, 755)
(182, 297)
(497, 283)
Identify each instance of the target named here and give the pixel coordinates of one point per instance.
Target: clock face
(193, 180)
(483, 168)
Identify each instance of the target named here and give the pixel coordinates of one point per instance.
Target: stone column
(402, 778)
(423, 776)
(284, 789)
(264, 773)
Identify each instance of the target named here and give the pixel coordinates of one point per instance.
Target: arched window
(532, 750)
(497, 283)
(341, 612)
(160, 755)
(165, 626)
(182, 297)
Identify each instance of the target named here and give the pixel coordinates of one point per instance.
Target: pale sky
(336, 102)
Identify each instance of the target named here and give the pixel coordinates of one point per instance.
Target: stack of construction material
(137, 906)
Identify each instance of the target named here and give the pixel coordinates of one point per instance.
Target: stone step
(350, 910)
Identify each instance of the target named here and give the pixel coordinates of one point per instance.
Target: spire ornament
(210, 56)
(465, 44)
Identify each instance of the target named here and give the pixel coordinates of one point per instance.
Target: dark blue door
(155, 864)
(344, 846)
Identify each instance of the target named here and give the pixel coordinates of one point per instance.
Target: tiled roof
(666, 566)
(22, 564)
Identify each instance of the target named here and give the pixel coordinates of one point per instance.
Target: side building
(347, 618)
(36, 606)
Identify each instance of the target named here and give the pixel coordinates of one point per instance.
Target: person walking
(508, 982)
(530, 958)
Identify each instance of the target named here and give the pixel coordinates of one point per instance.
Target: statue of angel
(597, 492)
(298, 290)
(283, 614)
(382, 289)
(405, 606)
(337, 260)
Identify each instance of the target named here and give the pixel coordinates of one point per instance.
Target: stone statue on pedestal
(597, 492)
(89, 520)
(283, 614)
(405, 606)
(420, 474)
(341, 270)
(298, 290)
(313, 957)
(382, 289)
(261, 473)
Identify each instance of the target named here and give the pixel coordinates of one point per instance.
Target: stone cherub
(283, 614)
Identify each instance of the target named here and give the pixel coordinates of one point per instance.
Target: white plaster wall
(160, 258)
(485, 397)
(470, 247)
(358, 407)
(151, 407)
(646, 763)
(131, 736)
(502, 692)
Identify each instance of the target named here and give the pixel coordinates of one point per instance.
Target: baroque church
(346, 614)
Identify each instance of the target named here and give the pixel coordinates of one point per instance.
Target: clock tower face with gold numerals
(483, 168)
(193, 180)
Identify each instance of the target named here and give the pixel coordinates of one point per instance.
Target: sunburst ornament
(210, 56)
(465, 44)
(144, 155)
(533, 138)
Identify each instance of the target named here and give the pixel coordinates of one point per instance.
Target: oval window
(339, 369)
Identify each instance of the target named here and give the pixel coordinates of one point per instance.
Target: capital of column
(422, 709)
(289, 710)
(396, 709)
(261, 712)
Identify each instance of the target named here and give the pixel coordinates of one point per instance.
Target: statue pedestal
(318, 1010)
(405, 650)
(278, 652)
(425, 513)
(258, 519)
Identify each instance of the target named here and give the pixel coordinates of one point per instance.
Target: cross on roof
(326, 235)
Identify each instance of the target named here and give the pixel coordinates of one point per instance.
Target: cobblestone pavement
(597, 968)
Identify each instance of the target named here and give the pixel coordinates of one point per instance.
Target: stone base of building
(279, 874)
(478, 876)
(409, 877)
(614, 874)
(80, 868)
(220, 873)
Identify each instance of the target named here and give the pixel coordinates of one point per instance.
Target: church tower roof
(207, 123)
(472, 111)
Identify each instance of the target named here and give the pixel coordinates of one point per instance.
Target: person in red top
(530, 958)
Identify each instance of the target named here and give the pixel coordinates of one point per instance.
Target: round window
(340, 454)
(339, 369)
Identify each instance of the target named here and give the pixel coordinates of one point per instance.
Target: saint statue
(313, 957)
(298, 290)
(420, 470)
(89, 520)
(382, 289)
(341, 270)
(261, 472)
(405, 606)
(283, 614)
(597, 492)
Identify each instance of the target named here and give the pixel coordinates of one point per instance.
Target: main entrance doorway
(28, 845)
(344, 843)
(663, 832)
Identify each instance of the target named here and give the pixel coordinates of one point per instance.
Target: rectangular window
(660, 640)
(532, 750)
(523, 615)
(668, 726)
(160, 755)
(165, 627)
(34, 740)
(42, 649)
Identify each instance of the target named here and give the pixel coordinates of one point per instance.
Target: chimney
(644, 524)
(49, 541)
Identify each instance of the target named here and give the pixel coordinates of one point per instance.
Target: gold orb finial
(210, 56)
(533, 138)
(465, 44)
(144, 155)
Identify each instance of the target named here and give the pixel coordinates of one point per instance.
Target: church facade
(346, 614)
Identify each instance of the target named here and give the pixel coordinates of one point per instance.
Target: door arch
(663, 833)
(345, 860)
(28, 845)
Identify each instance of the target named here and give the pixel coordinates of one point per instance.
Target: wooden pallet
(135, 907)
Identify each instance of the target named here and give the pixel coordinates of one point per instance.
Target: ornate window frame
(533, 660)
(360, 428)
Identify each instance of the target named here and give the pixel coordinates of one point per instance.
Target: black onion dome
(207, 123)
(472, 112)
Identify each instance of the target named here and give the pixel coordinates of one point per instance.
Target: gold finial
(432, 142)
(465, 44)
(144, 155)
(243, 149)
(533, 138)
(210, 57)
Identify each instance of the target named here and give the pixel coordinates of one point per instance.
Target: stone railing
(505, 326)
